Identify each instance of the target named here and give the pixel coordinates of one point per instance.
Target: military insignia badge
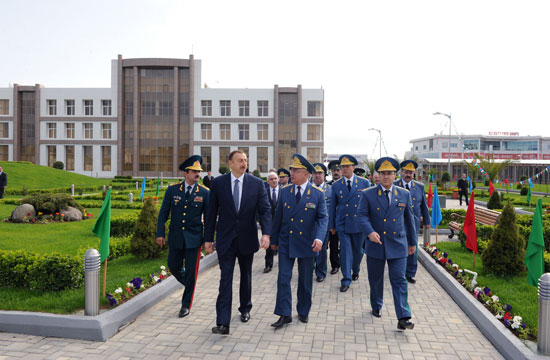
(310, 205)
(198, 199)
(402, 205)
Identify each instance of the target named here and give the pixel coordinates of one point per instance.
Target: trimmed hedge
(114, 205)
(119, 247)
(123, 225)
(446, 215)
(49, 272)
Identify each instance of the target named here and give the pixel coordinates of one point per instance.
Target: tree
(491, 167)
(494, 201)
(505, 252)
(224, 169)
(58, 165)
(143, 244)
(257, 173)
(369, 164)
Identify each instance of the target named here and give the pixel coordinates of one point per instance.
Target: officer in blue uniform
(284, 176)
(420, 209)
(318, 179)
(344, 200)
(359, 172)
(386, 215)
(299, 229)
(185, 203)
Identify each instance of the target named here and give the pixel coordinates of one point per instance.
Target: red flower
(56, 213)
(28, 214)
(162, 276)
(443, 260)
(62, 214)
(507, 316)
(128, 289)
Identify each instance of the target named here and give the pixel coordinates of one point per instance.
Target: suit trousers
(412, 264)
(187, 275)
(351, 253)
(333, 244)
(321, 260)
(225, 294)
(283, 305)
(465, 194)
(396, 269)
(269, 253)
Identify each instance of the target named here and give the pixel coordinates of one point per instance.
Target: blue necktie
(236, 195)
(298, 195)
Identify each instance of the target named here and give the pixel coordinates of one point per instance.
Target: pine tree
(505, 252)
(494, 201)
(143, 244)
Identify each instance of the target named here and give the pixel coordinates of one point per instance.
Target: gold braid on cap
(386, 166)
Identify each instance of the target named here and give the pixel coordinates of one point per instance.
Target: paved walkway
(340, 327)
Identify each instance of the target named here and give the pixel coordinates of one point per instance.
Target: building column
(37, 124)
(175, 123)
(299, 130)
(16, 124)
(191, 103)
(275, 126)
(135, 165)
(120, 114)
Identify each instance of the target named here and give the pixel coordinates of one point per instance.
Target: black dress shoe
(303, 318)
(411, 280)
(267, 269)
(403, 324)
(282, 321)
(183, 312)
(376, 313)
(334, 270)
(320, 279)
(221, 329)
(344, 288)
(354, 277)
(245, 317)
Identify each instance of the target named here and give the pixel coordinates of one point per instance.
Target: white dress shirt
(276, 188)
(241, 178)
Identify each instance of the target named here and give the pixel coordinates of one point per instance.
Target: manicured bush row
(446, 215)
(123, 225)
(118, 247)
(114, 205)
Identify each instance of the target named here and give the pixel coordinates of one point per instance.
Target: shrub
(546, 262)
(445, 177)
(143, 244)
(524, 190)
(224, 169)
(119, 247)
(58, 165)
(256, 173)
(123, 225)
(486, 182)
(505, 252)
(51, 203)
(50, 272)
(494, 201)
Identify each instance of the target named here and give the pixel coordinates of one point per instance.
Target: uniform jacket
(222, 217)
(343, 204)
(395, 223)
(297, 225)
(419, 203)
(185, 215)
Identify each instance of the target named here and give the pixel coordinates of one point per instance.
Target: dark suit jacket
(462, 186)
(222, 217)
(207, 181)
(3, 179)
(273, 204)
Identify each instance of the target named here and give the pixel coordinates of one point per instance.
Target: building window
(225, 131)
(4, 106)
(224, 154)
(206, 107)
(263, 131)
(244, 131)
(261, 159)
(69, 130)
(225, 108)
(206, 131)
(52, 130)
(69, 107)
(313, 132)
(106, 158)
(424, 147)
(106, 107)
(52, 107)
(88, 107)
(4, 127)
(88, 158)
(106, 130)
(244, 108)
(416, 147)
(51, 155)
(314, 108)
(88, 131)
(4, 153)
(206, 153)
(69, 158)
(263, 108)
(246, 150)
(314, 154)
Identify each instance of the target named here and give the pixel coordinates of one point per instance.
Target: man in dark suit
(333, 242)
(186, 202)
(463, 189)
(3, 182)
(208, 179)
(273, 194)
(235, 199)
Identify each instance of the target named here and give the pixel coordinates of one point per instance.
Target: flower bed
(136, 286)
(490, 301)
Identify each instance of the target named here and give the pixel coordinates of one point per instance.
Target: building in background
(154, 115)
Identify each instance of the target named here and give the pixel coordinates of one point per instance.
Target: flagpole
(104, 277)
(436, 234)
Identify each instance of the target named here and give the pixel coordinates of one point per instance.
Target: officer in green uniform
(186, 202)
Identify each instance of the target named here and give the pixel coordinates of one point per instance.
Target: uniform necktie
(298, 195)
(387, 195)
(236, 195)
(407, 186)
(274, 197)
(349, 185)
(188, 192)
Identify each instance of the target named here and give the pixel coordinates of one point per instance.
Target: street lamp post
(380, 139)
(449, 146)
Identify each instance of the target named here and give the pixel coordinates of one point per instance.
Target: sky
(387, 65)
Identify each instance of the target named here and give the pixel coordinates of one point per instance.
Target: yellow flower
(39, 213)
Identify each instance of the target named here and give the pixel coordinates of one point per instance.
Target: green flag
(529, 196)
(158, 184)
(534, 256)
(102, 227)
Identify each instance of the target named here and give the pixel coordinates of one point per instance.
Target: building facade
(154, 115)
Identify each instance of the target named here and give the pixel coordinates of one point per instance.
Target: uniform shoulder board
(287, 185)
(204, 187)
(317, 188)
(174, 184)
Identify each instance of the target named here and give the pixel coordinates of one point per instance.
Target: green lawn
(517, 198)
(510, 290)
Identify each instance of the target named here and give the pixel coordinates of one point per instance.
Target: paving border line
(506, 343)
(96, 328)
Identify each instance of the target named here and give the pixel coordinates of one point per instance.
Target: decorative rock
(20, 212)
(72, 214)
